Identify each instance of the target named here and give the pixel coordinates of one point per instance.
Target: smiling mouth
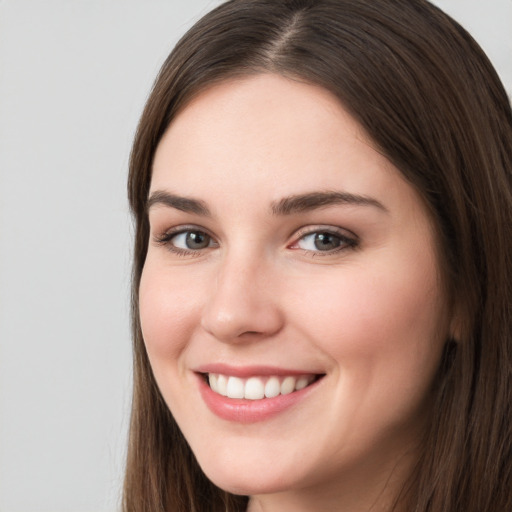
(258, 388)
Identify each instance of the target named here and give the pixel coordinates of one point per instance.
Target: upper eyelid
(176, 230)
(310, 229)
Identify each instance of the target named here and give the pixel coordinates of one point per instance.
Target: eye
(191, 240)
(186, 241)
(319, 242)
(324, 241)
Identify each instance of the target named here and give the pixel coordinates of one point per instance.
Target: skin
(370, 316)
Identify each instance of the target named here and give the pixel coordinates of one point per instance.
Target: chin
(250, 481)
(248, 485)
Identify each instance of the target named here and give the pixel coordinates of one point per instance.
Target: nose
(243, 305)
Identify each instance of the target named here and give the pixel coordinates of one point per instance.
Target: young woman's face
(289, 263)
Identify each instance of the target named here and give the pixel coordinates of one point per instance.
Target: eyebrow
(286, 206)
(184, 204)
(315, 200)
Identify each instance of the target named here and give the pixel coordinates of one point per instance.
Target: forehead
(262, 128)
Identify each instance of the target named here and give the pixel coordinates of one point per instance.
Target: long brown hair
(432, 103)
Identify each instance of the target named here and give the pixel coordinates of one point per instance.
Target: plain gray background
(74, 75)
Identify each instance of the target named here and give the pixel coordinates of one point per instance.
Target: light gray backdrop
(73, 78)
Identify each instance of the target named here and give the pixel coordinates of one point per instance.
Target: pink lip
(249, 411)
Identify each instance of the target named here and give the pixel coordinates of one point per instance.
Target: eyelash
(346, 242)
(166, 238)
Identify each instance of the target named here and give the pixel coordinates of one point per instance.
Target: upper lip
(252, 370)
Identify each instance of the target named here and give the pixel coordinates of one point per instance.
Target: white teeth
(213, 380)
(235, 387)
(288, 385)
(272, 387)
(301, 383)
(222, 385)
(256, 388)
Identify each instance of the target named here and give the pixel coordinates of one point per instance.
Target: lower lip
(250, 411)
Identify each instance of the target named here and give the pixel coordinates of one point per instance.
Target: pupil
(326, 241)
(197, 240)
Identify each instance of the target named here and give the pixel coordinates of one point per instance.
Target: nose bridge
(241, 301)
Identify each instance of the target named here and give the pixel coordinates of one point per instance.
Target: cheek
(370, 307)
(168, 303)
(383, 330)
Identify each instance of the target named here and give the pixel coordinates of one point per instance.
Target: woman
(322, 285)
